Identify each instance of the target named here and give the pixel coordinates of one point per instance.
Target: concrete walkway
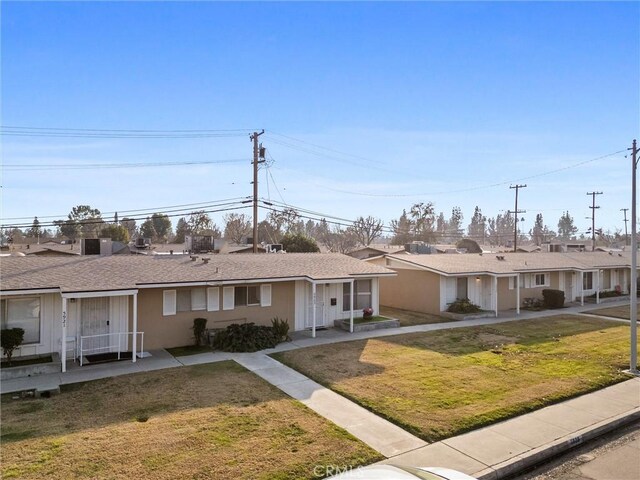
(379, 434)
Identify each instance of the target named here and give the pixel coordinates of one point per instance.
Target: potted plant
(367, 312)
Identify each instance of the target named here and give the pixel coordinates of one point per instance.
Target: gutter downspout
(64, 335)
(517, 294)
(351, 313)
(313, 307)
(134, 342)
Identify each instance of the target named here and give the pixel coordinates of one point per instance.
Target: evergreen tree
(401, 230)
(566, 228)
(478, 225)
(35, 231)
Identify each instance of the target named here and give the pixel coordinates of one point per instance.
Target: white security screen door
(94, 314)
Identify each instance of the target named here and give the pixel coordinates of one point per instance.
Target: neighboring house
(98, 304)
(374, 250)
(429, 283)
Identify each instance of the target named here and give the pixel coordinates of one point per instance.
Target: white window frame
(169, 302)
(198, 304)
(584, 280)
(185, 293)
(544, 283)
(4, 304)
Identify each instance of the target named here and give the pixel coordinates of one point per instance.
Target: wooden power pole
(256, 160)
(515, 213)
(593, 219)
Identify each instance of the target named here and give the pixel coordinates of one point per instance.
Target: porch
(100, 326)
(320, 303)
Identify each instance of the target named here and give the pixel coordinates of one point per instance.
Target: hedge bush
(553, 298)
(246, 337)
(463, 305)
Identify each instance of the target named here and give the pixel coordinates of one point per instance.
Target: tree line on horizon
(419, 223)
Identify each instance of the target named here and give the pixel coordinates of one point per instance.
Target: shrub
(280, 329)
(533, 303)
(299, 243)
(246, 337)
(199, 330)
(463, 305)
(10, 339)
(607, 294)
(553, 298)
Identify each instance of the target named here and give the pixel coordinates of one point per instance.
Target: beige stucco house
(429, 283)
(83, 305)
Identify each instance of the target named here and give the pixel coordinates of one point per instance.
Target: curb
(538, 455)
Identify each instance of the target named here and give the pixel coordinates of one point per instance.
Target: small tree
(199, 330)
(10, 339)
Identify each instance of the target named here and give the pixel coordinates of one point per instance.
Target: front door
(569, 294)
(94, 320)
(320, 310)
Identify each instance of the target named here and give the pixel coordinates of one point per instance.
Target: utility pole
(626, 233)
(633, 289)
(593, 219)
(515, 213)
(256, 160)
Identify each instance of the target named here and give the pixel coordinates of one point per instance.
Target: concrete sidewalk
(507, 447)
(378, 433)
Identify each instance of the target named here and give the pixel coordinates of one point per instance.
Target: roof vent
(205, 259)
(193, 258)
(500, 257)
(610, 253)
(619, 254)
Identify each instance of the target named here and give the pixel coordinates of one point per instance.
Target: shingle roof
(516, 262)
(91, 273)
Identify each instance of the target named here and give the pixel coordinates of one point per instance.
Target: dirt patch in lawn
(440, 384)
(207, 421)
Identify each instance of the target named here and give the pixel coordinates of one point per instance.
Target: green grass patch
(373, 319)
(440, 384)
(409, 318)
(189, 350)
(619, 311)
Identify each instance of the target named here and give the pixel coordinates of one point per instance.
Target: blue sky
(432, 102)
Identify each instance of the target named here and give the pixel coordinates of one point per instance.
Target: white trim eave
(35, 291)
(219, 283)
(99, 293)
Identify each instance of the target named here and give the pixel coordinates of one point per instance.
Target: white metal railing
(118, 345)
(319, 316)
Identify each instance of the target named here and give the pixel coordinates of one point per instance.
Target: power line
(105, 222)
(20, 131)
(470, 189)
(141, 211)
(182, 213)
(16, 167)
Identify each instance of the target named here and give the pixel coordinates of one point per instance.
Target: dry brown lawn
(440, 384)
(621, 311)
(408, 318)
(208, 421)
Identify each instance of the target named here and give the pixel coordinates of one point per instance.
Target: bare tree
(340, 241)
(237, 226)
(366, 230)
